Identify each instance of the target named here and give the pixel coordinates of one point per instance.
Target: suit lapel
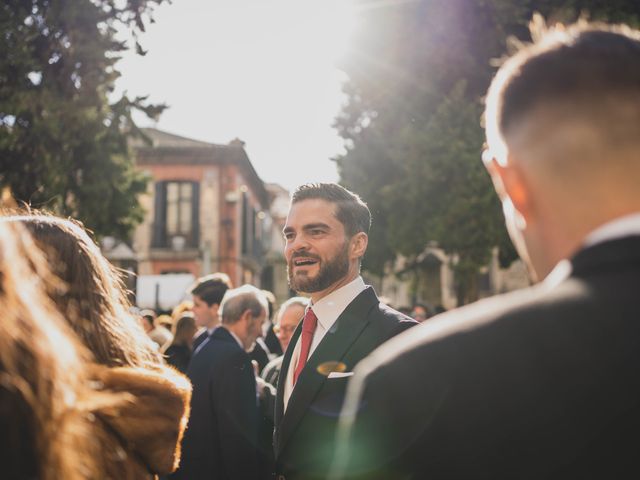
(333, 347)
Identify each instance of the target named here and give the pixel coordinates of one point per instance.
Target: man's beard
(331, 271)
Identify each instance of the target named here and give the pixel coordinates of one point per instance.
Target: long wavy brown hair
(94, 301)
(44, 424)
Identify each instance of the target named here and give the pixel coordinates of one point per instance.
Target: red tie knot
(309, 322)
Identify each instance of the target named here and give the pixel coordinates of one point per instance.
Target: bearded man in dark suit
(326, 236)
(544, 382)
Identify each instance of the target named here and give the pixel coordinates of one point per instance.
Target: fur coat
(140, 435)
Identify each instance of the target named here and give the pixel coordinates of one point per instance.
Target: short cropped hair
(351, 211)
(211, 288)
(239, 300)
(593, 69)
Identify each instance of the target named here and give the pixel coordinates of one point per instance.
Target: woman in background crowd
(178, 352)
(45, 431)
(141, 437)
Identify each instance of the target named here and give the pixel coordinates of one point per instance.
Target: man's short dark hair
(211, 288)
(584, 66)
(351, 211)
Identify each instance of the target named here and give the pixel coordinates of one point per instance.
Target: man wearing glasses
(287, 319)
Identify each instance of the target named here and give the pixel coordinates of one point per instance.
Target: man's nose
(298, 243)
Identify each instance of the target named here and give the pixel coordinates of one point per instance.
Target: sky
(259, 70)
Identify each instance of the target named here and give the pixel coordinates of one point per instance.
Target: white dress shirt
(327, 310)
(620, 227)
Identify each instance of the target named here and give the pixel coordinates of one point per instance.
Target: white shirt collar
(619, 227)
(329, 308)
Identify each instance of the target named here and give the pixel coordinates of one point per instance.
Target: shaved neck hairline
(560, 138)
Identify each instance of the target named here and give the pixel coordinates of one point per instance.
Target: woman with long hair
(141, 437)
(178, 352)
(45, 427)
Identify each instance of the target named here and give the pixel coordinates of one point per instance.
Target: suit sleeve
(238, 419)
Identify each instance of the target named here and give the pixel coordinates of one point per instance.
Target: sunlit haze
(260, 70)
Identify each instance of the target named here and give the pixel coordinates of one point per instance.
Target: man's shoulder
(485, 324)
(220, 347)
(387, 321)
(392, 316)
(382, 313)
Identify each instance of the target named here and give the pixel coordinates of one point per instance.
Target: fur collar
(143, 430)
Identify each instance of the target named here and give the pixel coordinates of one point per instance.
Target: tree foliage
(63, 145)
(412, 122)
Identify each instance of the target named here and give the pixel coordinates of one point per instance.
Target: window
(179, 208)
(176, 219)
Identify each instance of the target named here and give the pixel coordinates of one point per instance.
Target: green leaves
(63, 146)
(413, 123)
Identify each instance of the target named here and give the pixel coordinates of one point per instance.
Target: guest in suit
(326, 235)
(540, 383)
(207, 293)
(221, 440)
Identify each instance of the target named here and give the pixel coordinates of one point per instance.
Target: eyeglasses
(286, 329)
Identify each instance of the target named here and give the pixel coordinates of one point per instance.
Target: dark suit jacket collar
(616, 253)
(223, 335)
(333, 347)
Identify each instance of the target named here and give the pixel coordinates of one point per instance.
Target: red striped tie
(309, 324)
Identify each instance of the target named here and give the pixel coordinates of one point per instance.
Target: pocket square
(340, 374)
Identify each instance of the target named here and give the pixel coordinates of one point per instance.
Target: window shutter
(245, 224)
(159, 237)
(195, 215)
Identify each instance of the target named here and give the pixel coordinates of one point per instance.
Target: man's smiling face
(317, 248)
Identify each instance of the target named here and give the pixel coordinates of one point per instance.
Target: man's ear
(246, 316)
(511, 183)
(214, 308)
(358, 245)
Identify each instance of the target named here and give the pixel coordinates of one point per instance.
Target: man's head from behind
(563, 129)
(326, 236)
(208, 293)
(243, 311)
